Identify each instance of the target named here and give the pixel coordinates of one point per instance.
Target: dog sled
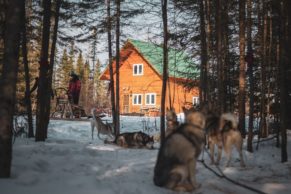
(64, 109)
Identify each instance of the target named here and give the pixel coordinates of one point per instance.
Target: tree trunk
(117, 128)
(219, 53)
(242, 76)
(283, 85)
(52, 60)
(164, 4)
(288, 50)
(270, 61)
(209, 43)
(111, 85)
(278, 86)
(2, 23)
(277, 98)
(263, 128)
(226, 95)
(8, 82)
(27, 77)
(204, 56)
(288, 62)
(43, 92)
(249, 60)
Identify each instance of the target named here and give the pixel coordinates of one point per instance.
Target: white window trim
(195, 99)
(133, 95)
(137, 65)
(150, 99)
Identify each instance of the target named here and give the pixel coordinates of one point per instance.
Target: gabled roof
(180, 65)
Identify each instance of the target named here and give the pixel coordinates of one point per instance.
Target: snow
(69, 162)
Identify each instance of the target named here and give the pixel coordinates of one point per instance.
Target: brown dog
(223, 132)
(176, 163)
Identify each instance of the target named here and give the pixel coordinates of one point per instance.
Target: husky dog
(227, 135)
(172, 123)
(176, 163)
(133, 140)
(102, 128)
(223, 132)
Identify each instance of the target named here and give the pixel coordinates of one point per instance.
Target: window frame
(138, 66)
(195, 99)
(133, 97)
(155, 98)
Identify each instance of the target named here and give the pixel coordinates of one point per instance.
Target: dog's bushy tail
(228, 117)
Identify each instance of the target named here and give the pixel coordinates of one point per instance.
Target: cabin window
(150, 99)
(138, 69)
(195, 100)
(136, 99)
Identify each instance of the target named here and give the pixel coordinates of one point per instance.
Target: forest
(241, 48)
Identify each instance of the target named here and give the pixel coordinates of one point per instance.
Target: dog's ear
(183, 108)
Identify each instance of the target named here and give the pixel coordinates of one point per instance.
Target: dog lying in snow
(133, 140)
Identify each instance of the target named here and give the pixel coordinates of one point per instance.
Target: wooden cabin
(141, 67)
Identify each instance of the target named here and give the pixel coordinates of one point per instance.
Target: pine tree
(71, 55)
(85, 100)
(97, 88)
(80, 66)
(64, 70)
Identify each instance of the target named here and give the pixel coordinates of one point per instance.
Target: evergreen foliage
(64, 70)
(80, 66)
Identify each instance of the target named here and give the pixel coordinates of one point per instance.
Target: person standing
(74, 88)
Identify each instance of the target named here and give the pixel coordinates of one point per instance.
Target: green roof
(180, 65)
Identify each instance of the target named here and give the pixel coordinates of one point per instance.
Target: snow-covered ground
(69, 162)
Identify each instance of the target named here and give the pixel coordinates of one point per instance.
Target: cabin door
(125, 103)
